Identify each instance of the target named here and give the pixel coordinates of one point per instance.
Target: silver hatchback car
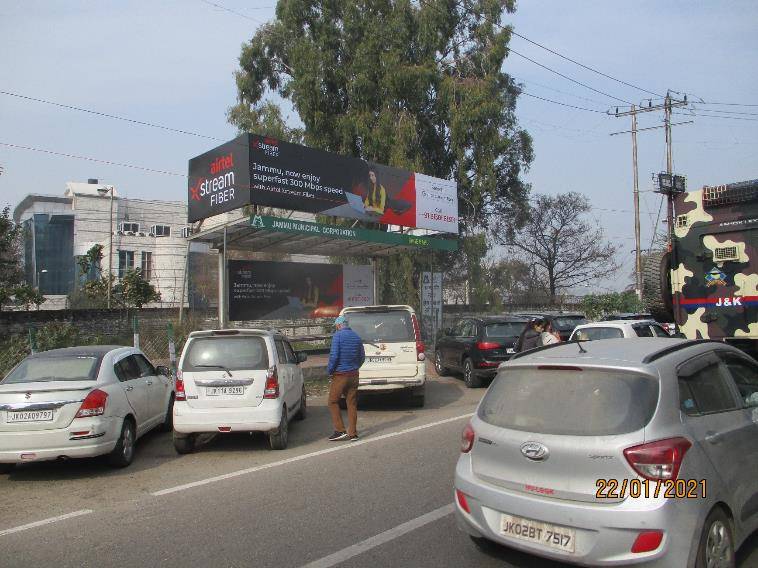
(616, 452)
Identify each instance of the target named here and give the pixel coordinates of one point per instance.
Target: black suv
(476, 346)
(563, 322)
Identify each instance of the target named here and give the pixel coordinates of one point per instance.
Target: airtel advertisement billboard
(253, 169)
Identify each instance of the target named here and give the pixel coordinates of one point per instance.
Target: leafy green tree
(412, 85)
(596, 306)
(13, 288)
(134, 291)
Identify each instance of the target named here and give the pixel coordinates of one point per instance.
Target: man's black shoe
(354, 438)
(338, 436)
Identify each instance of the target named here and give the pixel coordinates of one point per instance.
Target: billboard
(267, 290)
(269, 172)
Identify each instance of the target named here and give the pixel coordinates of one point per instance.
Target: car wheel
(469, 377)
(6, 467)
(123, 454)
(438, 366)
(168, 422)
(277, 439)
(303, 410)
(417, 398)
(184, 443)
(716, 548)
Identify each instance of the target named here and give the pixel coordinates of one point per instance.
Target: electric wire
(112, 116)
(575, 62)
(562, 104)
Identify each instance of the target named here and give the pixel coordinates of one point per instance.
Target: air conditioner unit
(186, 232)
(151, 234)
(131, 233)
(119, 232)
(141, 234)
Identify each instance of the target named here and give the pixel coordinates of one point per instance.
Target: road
(383, 501)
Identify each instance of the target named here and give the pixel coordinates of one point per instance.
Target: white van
(395, 358)
(237, 380)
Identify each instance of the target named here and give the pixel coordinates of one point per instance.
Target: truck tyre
(656, 286)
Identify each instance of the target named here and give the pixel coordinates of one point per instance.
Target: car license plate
(510, 350)
(554, 536)
(222, 391)
(379, 359)
(30, 416)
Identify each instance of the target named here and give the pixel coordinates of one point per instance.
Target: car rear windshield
(44, 369)
(570, 402)
(243, 352)
(504, 329)
(592, 333)
(390, 326)
(568, 323)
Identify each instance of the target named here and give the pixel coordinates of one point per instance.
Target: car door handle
(713, 437)
(129, 389)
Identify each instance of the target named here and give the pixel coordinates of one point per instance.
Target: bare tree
(566, 247)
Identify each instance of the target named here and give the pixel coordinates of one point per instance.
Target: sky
(172, 63)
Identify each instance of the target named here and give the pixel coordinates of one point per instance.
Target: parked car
(563, 322)
(81, 402)
(622, 452)
(395, 353)
(237, 380)
(476, 346)
(617, 329)
(627, 316)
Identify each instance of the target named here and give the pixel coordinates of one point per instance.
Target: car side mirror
(163, 370)
(301, 357)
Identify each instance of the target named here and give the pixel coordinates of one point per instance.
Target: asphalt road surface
(383, 501)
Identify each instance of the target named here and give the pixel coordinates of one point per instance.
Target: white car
(395, 354)
(615, 329)
(237, 380)
(81, 402)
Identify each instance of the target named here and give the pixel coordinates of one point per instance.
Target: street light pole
(110, 252)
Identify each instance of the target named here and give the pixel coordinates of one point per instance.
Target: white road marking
(382, 538)
(342, 446)
(46, 522)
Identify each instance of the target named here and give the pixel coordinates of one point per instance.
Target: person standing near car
(549, 335)
(345, 358)
(530, 337)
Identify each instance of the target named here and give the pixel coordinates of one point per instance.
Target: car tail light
(93, 405)
(420, 347)
(179, 393)
(485, 345)
(467, 439)
(660, 459)
(647, 541)
(461, 498)
(271, 390)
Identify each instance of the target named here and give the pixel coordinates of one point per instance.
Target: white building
(134, 233)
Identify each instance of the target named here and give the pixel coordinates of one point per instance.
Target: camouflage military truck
(712, 292)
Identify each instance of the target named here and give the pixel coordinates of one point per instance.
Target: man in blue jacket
(346, 357)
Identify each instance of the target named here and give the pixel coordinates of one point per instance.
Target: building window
(125, 262)
(129, 227)
(147, 265)
(161, 230)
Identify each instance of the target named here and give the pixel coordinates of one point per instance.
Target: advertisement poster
(269, 172)
(267, 290)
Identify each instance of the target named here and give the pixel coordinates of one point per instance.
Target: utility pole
(638, 251)
(667, 105)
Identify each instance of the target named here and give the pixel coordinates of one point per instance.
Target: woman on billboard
(376, 198)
